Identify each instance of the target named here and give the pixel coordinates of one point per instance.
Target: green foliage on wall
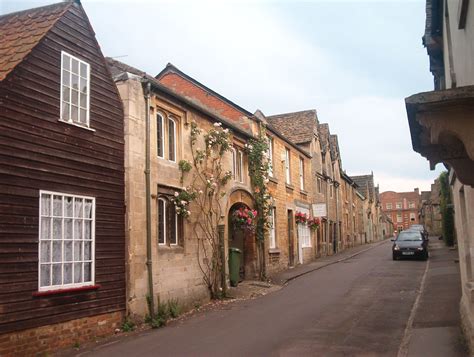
(446, 208)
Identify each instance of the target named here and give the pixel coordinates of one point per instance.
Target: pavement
(435, 322)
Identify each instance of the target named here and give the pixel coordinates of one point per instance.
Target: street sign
(319, 210)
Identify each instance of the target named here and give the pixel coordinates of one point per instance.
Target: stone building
(173, 101)
(442, 126)
(403, 208)
(372, 210)
(430, 214)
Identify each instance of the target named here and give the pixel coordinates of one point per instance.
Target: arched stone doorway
(240, 238)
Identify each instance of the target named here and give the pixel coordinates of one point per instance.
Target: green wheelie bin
(234, 265)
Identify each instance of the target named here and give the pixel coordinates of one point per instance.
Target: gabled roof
(300, 127)
(366, 185)
(21, 31)
(334, 147)
(185, 85)
(323, 132)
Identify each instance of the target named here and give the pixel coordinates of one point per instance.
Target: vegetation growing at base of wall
(446, 208)
(259, 168)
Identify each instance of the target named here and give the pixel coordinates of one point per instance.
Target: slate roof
(334, 147)
(323, 132)
(21, 31)
(299, 127)
(366, 185)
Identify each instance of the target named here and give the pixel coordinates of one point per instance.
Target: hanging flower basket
(301, 218)
(313, 223)
(244, 219)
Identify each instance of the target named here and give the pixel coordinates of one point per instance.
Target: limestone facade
(442, 126)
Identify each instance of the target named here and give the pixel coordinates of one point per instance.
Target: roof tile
(21, 31)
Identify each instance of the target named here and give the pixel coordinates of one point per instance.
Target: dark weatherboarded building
(62, 273)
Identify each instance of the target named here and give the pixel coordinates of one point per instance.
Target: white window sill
(74, 124)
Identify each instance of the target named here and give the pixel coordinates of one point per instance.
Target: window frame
(69, 120)
(270, 155)
(73, 218)
(319, 184)
(160, 117)
(411, 204)
(161, 199)
(304, 232)
(171, 120)
(388, 206)
(399, 218)
(301, 169)
(398, 205)
(272, 240)
(166, 228)
(238, 165)
(287, 166)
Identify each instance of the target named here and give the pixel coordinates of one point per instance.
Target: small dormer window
(75, 89)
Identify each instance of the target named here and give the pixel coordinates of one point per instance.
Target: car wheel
(394, 257)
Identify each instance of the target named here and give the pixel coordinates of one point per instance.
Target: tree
(204, 194)
(446, 208)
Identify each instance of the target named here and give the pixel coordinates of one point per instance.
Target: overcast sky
(352, 61)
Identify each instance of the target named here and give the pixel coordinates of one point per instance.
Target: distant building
(401, 207)
(430, 214)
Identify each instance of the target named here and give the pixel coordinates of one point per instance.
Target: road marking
(403, 349)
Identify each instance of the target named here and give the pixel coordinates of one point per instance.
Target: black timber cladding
(39, 153)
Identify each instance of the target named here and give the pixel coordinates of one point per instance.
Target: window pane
(66, 78)
(74, 97)
(171, 226)
(159, 135)
(161, 222)
(75, 66)
(83, 116)
(58, 206)
(45, 228)
(74, 113)
(67, 228)
(45, 205)
(66, 96)
(45, 252)
(78, 229)
(87, 229)
(57, 251)
(83, 70)
(78, 272)
(83, 86)
(45, 274)
(77, 251)
(57, 228)
(68, 250)
(83, 101)
(87, 208)
(65, 113)
(66, 61)
(68, 202)
(87, 272)
(67, 274)
(74, 82)
(57, 274)
(171, 140)
(78, 207)
(87, 251)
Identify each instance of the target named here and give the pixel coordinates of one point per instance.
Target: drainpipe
(149, 263)
(338, 233)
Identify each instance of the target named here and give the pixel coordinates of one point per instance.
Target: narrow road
(357, 307)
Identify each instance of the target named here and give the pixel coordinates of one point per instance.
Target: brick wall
(409, 215)
(47, 339)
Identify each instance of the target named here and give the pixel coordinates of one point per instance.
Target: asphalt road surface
(357, 307)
